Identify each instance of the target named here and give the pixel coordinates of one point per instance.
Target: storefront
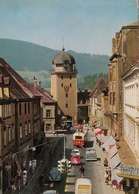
(130, 176)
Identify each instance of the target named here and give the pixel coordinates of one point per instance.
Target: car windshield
(76, 156)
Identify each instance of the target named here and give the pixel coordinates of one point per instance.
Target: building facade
(19, 123)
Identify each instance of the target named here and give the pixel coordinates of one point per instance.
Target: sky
(84, 26)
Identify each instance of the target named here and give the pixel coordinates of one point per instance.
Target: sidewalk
(126, 155)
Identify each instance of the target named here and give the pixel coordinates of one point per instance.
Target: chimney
(40, 84)
(35, 82)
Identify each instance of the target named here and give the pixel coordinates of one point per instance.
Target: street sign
(114, 182)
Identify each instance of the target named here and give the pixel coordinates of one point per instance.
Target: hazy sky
(85, 26)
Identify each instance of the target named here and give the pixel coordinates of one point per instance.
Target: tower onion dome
(63, 58)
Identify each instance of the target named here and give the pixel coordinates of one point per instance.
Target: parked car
(86, 127)
(75, 151)
(54, 174)
(76, 159)
(50, 192)
(91, 154)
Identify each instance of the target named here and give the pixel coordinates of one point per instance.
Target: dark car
(54, 174)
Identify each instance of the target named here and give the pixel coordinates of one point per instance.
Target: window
(48, 113)
(7, 110)
(1, 94)
(70, 77)
(114, 98)
(25, 109)
(9, 131)
(28, 107)
(66, 95)
(21, 132)
(35, 109)
(62, 85)
(29, 128)
(13, 109)
(70, 85)
(26, 129)
(5, 141)
(6, 92)
(66, 105)
(61, 76)
(20, 109)
(12, 132)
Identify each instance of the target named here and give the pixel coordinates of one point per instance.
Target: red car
(76, 159)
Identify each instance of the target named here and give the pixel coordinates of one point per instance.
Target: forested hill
(27, 57)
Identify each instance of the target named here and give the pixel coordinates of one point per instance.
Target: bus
(83, 186)
(91, 154)
(79, 138)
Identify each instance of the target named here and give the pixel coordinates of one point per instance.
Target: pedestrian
(25, 171)
(19, 175)
(12, 184)
(41, 180)
(33, 165)
(109, 173)
(106, 177)
(24, 178)
(82, 170)
(105, 162)
(30, 164)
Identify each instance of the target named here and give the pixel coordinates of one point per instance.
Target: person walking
(105, 162)
(109, 173)
(41, 180)
(12, 184)
(24, 178)
(82, 171)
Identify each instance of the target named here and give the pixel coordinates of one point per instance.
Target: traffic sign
(114, 182)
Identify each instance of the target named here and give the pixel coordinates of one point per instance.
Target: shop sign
(128, 169)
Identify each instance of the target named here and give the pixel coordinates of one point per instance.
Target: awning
(112, 150)
(102, 138)
(115, 161)
(115, 176)
(98, 131)
(110, 141)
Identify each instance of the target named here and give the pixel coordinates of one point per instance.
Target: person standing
(24, 178)
(109, 173)
(12, 184)
(82, 170)
(41, 180)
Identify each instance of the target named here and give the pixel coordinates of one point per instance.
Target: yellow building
(64, 84)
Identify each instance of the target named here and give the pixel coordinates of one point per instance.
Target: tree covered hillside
(31, 60)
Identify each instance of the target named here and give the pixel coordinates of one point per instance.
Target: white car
(50, 192)
(75, 151)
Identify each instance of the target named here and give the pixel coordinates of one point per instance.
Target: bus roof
(83, 181)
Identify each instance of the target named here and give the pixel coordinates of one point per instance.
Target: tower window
(66, 95)
(61, 85)
(70, 85)
(70, 76)
(66, 105)
(61, 76)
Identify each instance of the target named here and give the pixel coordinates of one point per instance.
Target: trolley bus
(79, 138)
(83, 185)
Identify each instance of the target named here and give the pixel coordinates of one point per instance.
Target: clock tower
(64, 84)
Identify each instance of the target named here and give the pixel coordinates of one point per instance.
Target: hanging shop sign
(128, 169)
